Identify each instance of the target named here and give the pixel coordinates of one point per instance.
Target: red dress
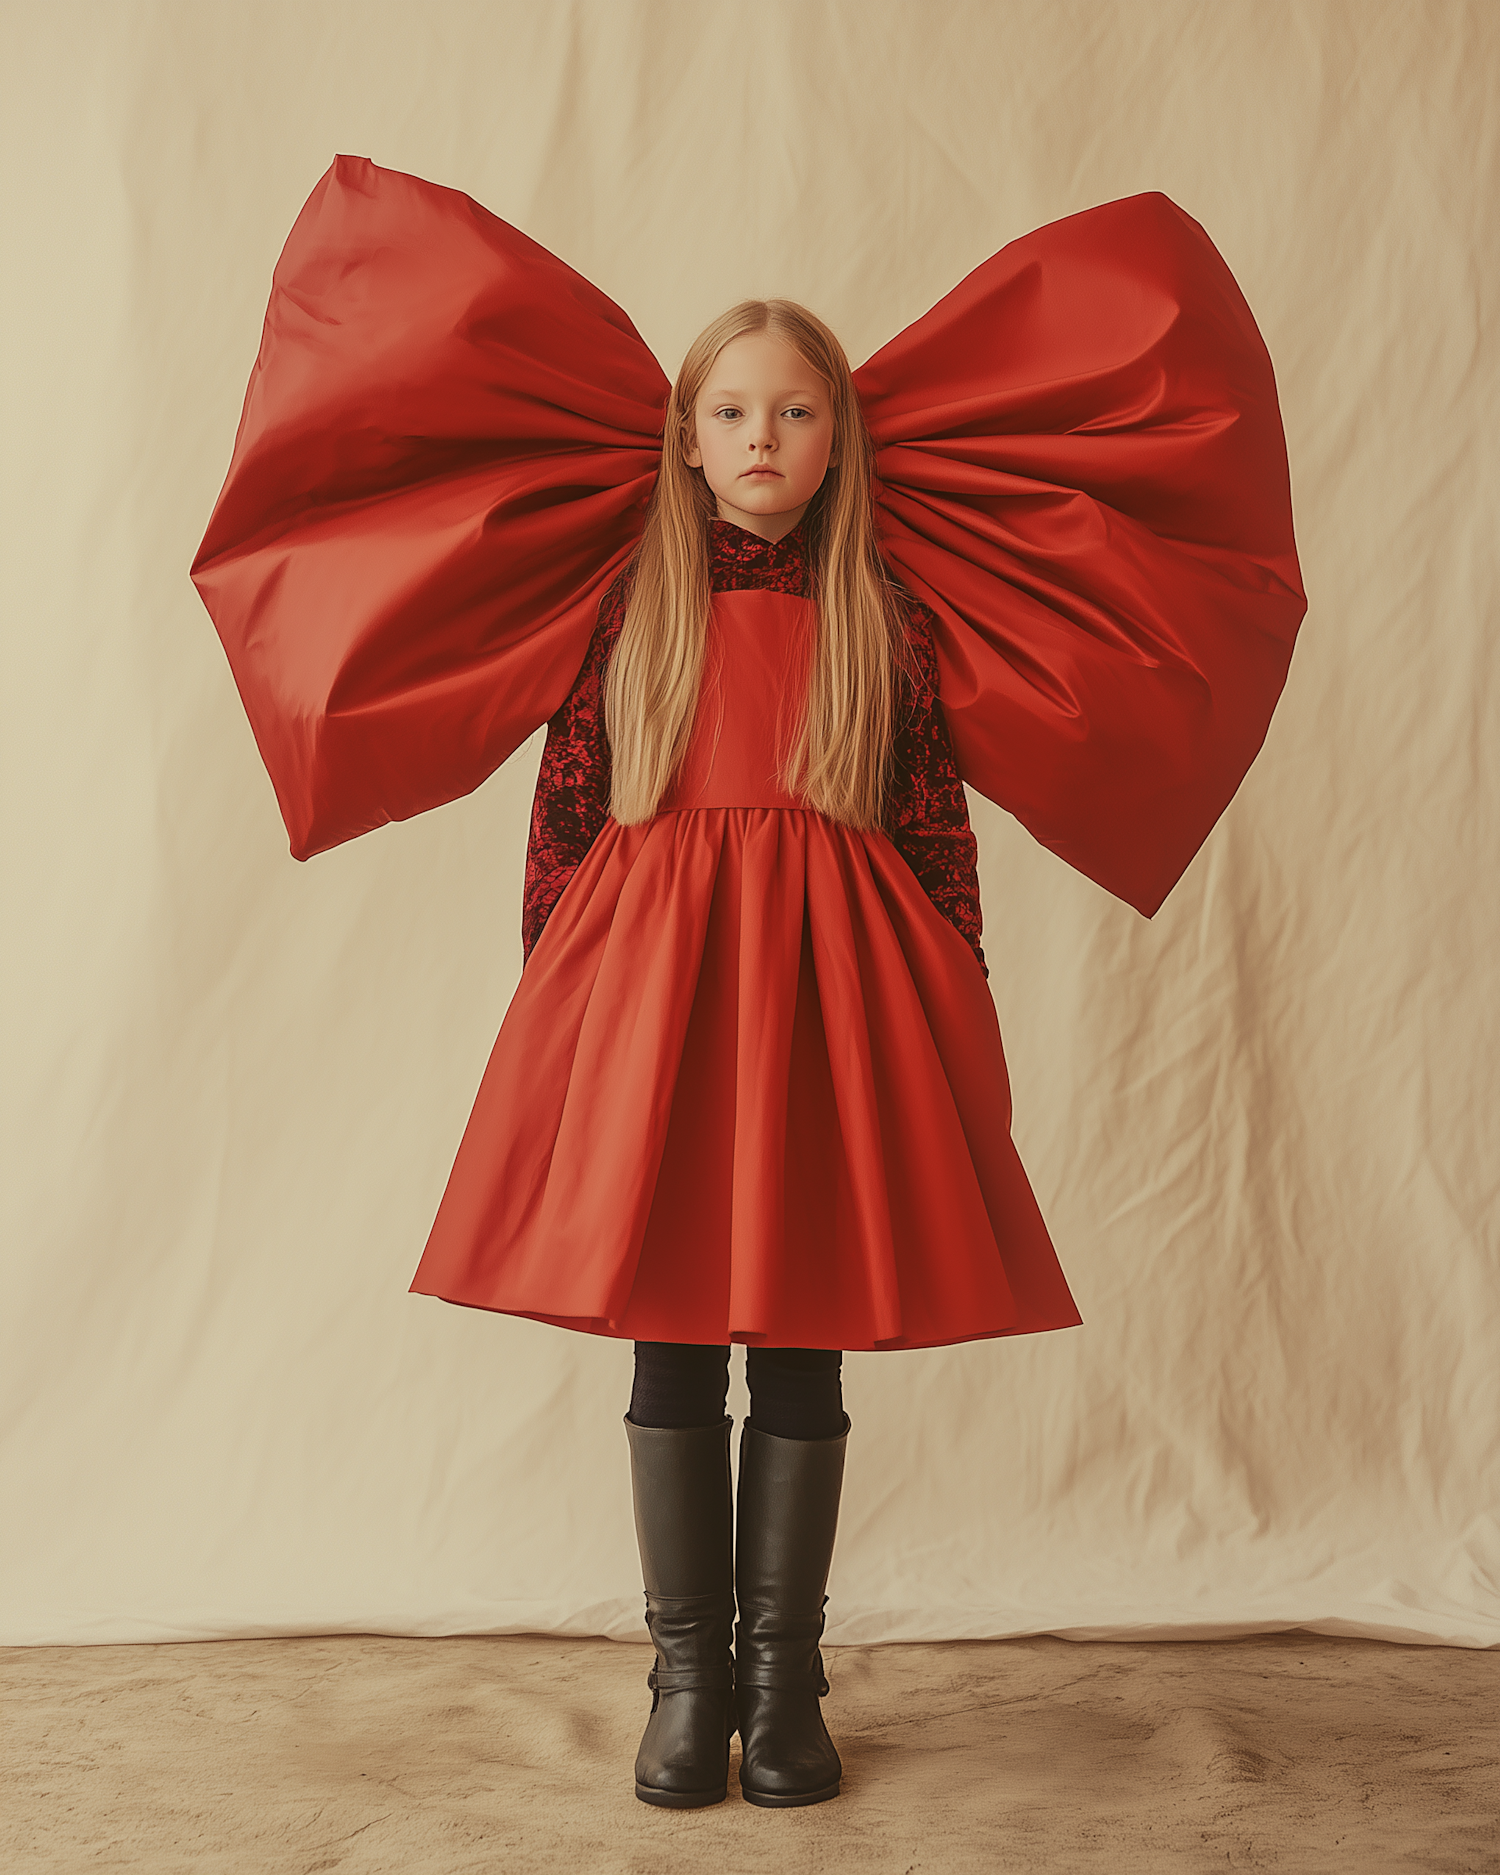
(751, 1085)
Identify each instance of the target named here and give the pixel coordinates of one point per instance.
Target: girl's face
(762, 434)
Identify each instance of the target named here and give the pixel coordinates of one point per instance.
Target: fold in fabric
(450, 438)
(750, 1088)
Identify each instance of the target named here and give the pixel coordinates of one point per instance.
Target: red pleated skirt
(750, 1087)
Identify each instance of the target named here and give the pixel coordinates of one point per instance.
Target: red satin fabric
(446, 451)
(751, 1086)
(1085, 478)
(449, 439)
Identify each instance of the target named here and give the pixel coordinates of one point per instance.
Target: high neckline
(738, 558)
(733, 533)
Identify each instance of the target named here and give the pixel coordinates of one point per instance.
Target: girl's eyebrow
(781, 397)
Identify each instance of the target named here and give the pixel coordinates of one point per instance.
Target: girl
(754, 996)
(751, 1088)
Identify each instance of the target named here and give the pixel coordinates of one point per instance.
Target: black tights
(795, 1393)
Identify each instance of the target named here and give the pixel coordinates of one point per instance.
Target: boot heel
(766, 1802)
(682, 1799)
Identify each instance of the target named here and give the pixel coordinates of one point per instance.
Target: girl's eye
(728, 411)
(797, 410)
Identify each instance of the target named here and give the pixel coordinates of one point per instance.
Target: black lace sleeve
(927, 815)
(573, 783)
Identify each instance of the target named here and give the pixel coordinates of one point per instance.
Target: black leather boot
(684, 1525)
(788, 1513)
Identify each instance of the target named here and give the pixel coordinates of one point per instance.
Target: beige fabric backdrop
(1262, 1127)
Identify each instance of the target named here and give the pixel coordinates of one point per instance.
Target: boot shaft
(684, 1516)
(788, 1516)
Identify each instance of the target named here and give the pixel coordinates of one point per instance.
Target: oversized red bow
(450, 438)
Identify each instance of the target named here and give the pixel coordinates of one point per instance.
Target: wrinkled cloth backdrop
(1262, 1127)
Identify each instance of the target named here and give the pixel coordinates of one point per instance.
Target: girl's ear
(692, 455)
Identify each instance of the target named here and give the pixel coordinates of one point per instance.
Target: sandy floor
(295, 1756)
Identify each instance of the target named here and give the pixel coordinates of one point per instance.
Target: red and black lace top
(927, 817)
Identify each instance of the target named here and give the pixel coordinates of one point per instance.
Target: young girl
(750, 1088)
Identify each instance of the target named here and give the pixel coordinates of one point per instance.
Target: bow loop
(448, 443)
(1082, 473)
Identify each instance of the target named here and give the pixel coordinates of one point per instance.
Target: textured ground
(295, 1756)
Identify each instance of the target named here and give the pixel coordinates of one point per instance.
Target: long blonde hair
(839, 763)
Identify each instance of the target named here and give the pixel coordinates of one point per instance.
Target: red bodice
(757, 658)
(927, 814)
